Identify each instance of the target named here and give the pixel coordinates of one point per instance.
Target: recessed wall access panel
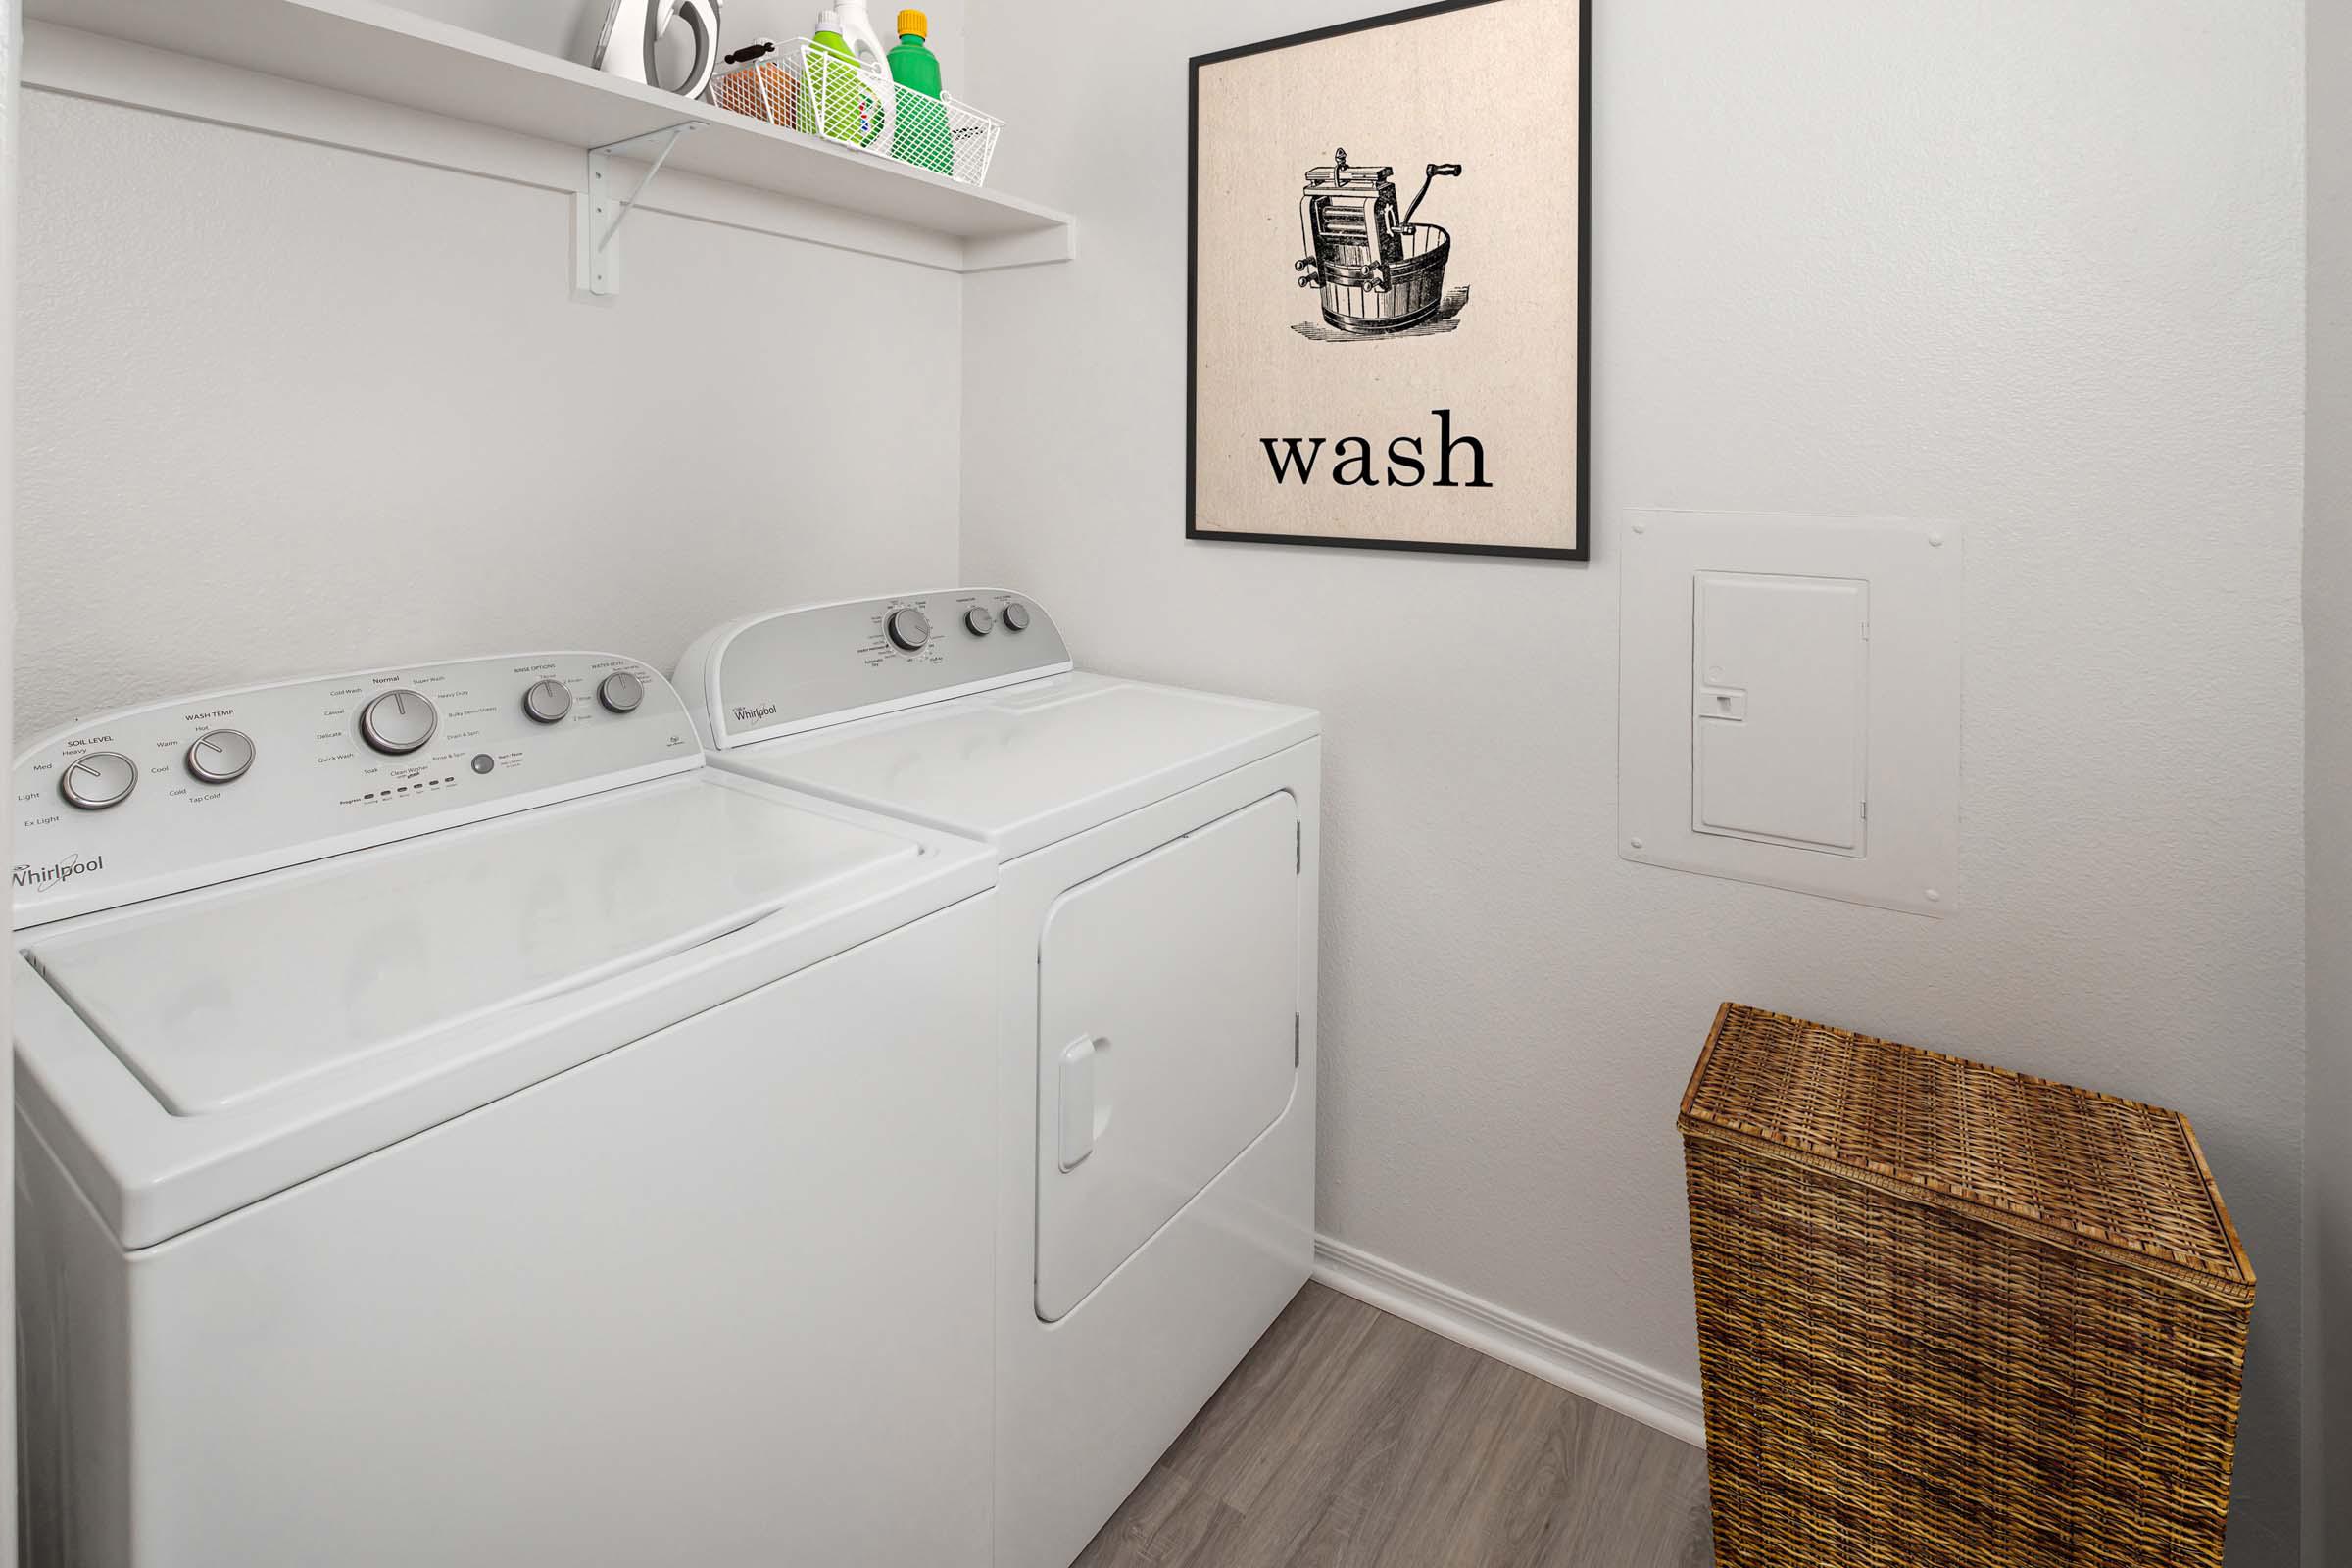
(1789, 702)
(1789, 767)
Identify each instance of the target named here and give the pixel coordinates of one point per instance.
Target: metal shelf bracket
(599, 210)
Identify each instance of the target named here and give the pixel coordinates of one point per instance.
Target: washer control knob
(399, 722)
(1016, 617)
(548, 701)
(220, 755)
(979, 621)
(620, 692)
(910, 628)
(96, 780)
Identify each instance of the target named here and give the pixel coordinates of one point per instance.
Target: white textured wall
(2037, 268)
(2328, 781)
(288, 409)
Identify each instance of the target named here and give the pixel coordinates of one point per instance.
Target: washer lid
(1030, 764)
(228, 999)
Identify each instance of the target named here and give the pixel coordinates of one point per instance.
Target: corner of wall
(2327, 1304)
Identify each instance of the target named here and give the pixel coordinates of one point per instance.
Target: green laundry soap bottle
(918, 132)
(836, 102)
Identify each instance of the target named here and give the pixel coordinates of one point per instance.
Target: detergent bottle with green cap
(920, 134)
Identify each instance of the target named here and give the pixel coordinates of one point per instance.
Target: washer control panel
(178, 795)
(797, 669)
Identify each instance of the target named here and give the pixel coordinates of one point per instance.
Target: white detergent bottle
(858, 31)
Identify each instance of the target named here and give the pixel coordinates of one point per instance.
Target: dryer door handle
(1075, 1072)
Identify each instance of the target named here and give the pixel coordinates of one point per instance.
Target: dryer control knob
(1016, 617)
(96, 780)
(399, 722)
(548, 701)
(979, 621)
(220, 755)
(620, 692)
(910, 628)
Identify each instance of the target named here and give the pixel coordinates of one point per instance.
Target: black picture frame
(1582, 500)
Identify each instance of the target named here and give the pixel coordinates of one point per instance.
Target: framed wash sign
(1388, 287)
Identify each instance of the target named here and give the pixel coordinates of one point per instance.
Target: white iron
(633, 28)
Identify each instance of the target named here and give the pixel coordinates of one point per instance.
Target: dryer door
(1167, 1009)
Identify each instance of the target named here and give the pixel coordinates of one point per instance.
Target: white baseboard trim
(1604, 1377)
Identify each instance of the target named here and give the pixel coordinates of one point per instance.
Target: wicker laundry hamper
(1950, 1316)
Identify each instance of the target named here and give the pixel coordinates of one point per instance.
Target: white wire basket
(809, 88)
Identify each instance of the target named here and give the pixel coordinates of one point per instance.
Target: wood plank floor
(1351, 1438)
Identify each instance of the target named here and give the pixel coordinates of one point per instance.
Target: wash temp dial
(399, 722)
(96, 780)
(220, 755)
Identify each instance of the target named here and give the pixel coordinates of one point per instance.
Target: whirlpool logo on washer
(41, 878)
(746, 716)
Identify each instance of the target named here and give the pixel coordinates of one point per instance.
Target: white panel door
(1781, 705)
(1168, 1016)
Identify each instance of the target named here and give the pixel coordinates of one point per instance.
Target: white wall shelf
(135, 52)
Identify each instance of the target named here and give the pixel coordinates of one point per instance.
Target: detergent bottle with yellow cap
(919, 132)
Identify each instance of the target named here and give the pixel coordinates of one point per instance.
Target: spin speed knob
(620, 692)
(220, 755)
(399, 722)
(910, 628)
(97, 780)
(548, 701)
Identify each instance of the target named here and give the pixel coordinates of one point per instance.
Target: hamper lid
(2069, 1162)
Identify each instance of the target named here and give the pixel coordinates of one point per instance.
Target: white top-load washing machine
(1155, 942)
(456, 1126)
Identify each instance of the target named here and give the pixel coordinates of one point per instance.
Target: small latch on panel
(1723, 701)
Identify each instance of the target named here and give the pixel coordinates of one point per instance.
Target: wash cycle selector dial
(220, 755)
(1016, 617)
(399, 722)
(620, 692)
(978, 621)
(910, 628)
(96, 780)
(548, 701)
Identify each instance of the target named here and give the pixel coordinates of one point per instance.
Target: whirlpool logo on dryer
(745, 716)
(43, 877)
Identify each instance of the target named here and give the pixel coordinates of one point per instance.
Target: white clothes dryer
(456, 1126)
(1155, 937)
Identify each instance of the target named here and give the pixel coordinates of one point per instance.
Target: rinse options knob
(548, 701)
(97, 780)
(399, 722)
(220, 755)
(620, 692)
(1016, 617)
(910, 628)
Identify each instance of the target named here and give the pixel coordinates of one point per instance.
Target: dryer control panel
(182, 794)
(802, 669)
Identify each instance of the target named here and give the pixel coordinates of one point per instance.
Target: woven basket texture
(1953, 1315)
